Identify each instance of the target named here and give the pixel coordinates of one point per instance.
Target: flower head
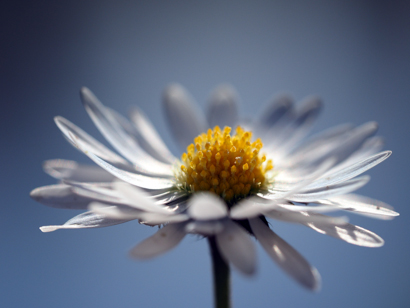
(232, 177)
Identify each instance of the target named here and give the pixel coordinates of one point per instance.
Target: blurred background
(354, 54)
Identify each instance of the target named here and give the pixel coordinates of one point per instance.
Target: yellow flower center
(229, 166)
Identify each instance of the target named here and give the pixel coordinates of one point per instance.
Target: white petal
(85, 220)
(205, 228)
(97, 192)
(248, 208)
(329, 191)
(71, 170)
(304, 217)
(113, 131)
(60, 196)
(289, 207)
(237, 248)
(350, 172)
(223, 109)
(149, 139)
(285, 256)
(297, 184)
(139, 199)
(363, 205)
(349, 233)
(206, 206)
(127, 176)
(160, 219)
(73, 133)
(319, 141)
(278, 109)
(164, 240)
(114, 212)
(185, 121)
(170, 197)
(340, 146)
(121, 212)
(300, 126)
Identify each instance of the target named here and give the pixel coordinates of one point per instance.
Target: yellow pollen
(228, 165)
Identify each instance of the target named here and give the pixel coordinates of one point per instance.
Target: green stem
(221, 276)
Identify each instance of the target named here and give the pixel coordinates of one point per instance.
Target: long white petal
(70, 170)
(149, 139)
(304, 217)
(363, 205)
(237, 248)
(206, 206)
(223, 109)
(341, 147)
(97, 192)
(113, 131)
(329, 191)
(121, 212)
(73, 134)
(185, 121)
(164, 240)
(350, 172)
(278, 109)
(300, 126)
(85, 220)
(127, 176)
(283, 190)
(285, 256)
(160, 219)
(139, 199)
(349, 233)
(60, 196)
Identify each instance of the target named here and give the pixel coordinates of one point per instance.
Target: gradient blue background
(355, 54)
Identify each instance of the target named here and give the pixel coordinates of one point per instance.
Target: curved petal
(349, 233)
(321, 140)
(363, 205)
(185, 121)
(73, 133)
(118, 137)
(71, 170)
(313, 195)
(248, 208)
(114, 212)
(340, 146)
(139, 199)
(223, 109)
(237, 248)
(85, 220)
(164, 240)
(206, 206)
(299, 127)
(304, 217)
(334, 177)
(97, 192)
(127, 176)
(60, 196)
(149, 138)
(121, 212)
(286, 256)
(278, 109)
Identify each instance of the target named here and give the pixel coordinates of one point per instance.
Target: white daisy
(227, 182)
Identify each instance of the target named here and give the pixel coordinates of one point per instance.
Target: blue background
(354, 54)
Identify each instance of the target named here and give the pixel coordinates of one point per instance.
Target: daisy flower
(232, 178)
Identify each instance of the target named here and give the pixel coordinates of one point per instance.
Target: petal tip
(46, 229)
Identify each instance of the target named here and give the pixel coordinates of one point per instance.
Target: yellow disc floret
(229, 166)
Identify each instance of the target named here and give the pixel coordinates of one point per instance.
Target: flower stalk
(221, 277)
